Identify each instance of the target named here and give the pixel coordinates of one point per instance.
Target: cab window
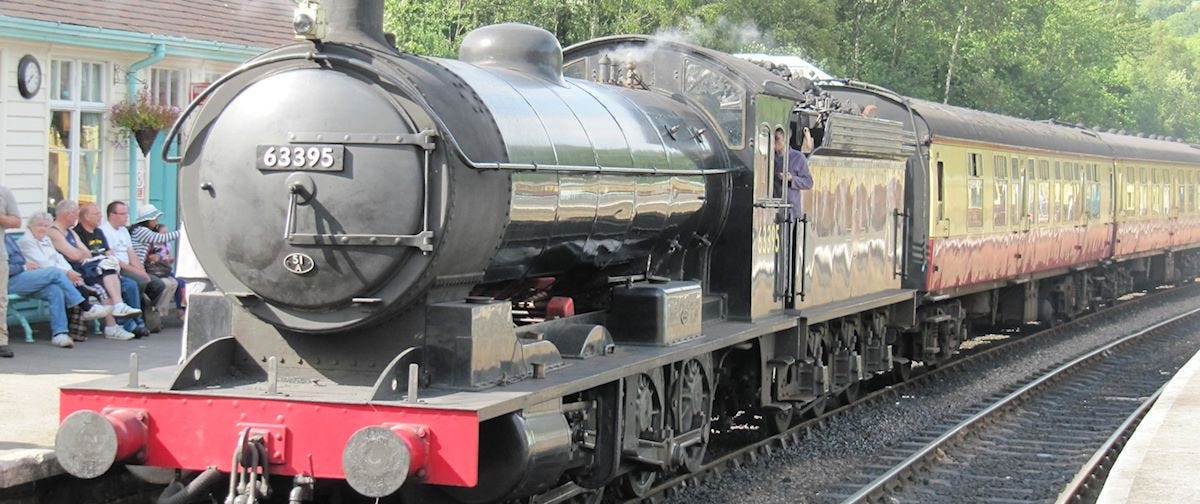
(576, 69)
(723, 100)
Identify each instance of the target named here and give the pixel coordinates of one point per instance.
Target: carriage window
(1181, 190)
(975, 202)
(1130, 191)
(1029, 184)
(1143, 192)
(723, 100)
(1093, 192)
(1000, 199)
(1191, 192)
(941, 190)
(974, 165)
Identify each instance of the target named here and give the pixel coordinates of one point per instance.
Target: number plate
(306, 157)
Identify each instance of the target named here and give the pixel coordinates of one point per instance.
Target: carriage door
(774, 240)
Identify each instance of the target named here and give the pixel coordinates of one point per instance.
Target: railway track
(981, 350)
(1025, 445)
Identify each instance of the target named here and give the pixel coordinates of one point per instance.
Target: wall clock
(29, 76)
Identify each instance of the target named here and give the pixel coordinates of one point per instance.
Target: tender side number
(303, 157)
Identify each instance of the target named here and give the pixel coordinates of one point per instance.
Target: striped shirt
(143, 237)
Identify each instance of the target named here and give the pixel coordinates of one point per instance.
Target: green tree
(1128, 64)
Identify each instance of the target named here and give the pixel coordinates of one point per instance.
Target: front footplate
(194, 430)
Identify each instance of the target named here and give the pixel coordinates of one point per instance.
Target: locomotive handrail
(900, 229)
(803, 255)
(443, 131)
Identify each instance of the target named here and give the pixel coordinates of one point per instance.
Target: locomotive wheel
(647, 416)
(901, 371)
(816, 408)
(637, 483)
(778, 421)
(850, 393)
(693, 410)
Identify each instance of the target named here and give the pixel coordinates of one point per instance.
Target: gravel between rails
(1030, 452)
(834, 454)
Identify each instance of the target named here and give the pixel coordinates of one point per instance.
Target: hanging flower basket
(143, 118)
(145, 139)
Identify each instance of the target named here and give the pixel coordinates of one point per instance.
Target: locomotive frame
(587, 269)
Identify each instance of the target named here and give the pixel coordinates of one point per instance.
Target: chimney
(341, 21)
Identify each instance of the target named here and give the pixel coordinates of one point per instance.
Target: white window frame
(177, 97)
(76, 107)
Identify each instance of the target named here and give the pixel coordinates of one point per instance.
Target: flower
(143, 114)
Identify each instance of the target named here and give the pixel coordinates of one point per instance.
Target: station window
(166, 87)
(76, 131)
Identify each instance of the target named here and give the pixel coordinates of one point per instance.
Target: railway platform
(29, 385)
(1161, 461)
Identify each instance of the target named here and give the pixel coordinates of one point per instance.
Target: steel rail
(876, 487)
(1104, 456)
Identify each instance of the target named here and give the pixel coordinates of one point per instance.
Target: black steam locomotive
(538, 272)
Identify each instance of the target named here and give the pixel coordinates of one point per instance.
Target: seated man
(50, 285)
(121, 243)
(92, 238)
(99, 270)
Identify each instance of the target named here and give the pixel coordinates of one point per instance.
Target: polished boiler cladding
(343, 212)
(544, 275)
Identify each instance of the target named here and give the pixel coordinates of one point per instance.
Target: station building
(64, 64)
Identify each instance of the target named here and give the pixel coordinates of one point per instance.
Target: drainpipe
(160, 51)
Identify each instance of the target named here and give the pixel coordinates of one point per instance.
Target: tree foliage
(1125, 64)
